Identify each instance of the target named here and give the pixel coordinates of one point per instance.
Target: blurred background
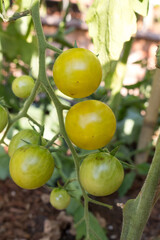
(132, 91)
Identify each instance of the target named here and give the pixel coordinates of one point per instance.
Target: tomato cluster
(89, 124)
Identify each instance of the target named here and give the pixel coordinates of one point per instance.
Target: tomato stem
(99, 203)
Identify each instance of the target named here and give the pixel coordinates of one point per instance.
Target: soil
(27, 214)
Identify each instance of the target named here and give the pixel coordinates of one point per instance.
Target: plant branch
(137, 211)
(59, 107)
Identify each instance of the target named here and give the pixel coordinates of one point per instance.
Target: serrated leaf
(111, 23)
(76, 209)
(127, 183)
(4, 164)
(98, 230)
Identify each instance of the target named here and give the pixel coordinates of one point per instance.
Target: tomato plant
(59, 198)
(31, 166)
(24, 137)
(77, 72)
(3, 118)
(22, 86)
(90, 124)
(101, 174)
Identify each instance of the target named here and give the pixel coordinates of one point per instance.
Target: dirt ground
(27, 214)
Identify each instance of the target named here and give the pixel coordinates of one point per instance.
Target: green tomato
(22, 86)
(77, 72)
(24, 137)
(31, 166)
(101, 174)
(59, 198)
(3, 118)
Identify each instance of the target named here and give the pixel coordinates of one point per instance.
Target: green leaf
(128, 129)
(111, 23)
(127, 183)
(4, 164)
(143, 168)
(76, 209)
(141, 6)
(98, 230)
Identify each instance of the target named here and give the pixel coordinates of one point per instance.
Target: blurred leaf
(127, 183)
(4, 164)
(128, 129)
(23, 4)
(15, 45)
(76, 209)
(105, 19)
(141, 6)
(105, 27)
(143, 168)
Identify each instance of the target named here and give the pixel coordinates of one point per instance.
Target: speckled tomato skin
(90, 124)
(77, 72)
(101, 174)
(31, 166)
(59, 198)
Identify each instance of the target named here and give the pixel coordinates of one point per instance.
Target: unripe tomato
(101, 174)
(31, 166)
(22, 86)
(3, 118)
(90, 124)
(77, 72)
(59, 198)
(24, 137)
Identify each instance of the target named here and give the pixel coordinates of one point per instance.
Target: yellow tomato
(77, 72)
(90, 124)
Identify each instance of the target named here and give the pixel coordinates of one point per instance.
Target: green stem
(136, 212)
(34, 121)
(51, 47)
(86, 216)
(48, 88)
(50, 143)
(99, 203)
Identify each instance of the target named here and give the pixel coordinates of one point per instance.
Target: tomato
(31, 166)
(22, 86)
(101, 174)
(3, 118)
(90, 124)
(24, 137)
(77, 72)
(59, 198)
